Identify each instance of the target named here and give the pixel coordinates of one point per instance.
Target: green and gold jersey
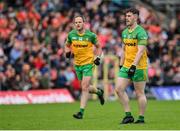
(82, 46)
(131, 40)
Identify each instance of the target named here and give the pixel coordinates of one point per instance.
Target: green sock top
(82, 110)
(128, 113)
(98, 92)
(141, 117)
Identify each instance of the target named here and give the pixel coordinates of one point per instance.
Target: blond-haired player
(80, 42)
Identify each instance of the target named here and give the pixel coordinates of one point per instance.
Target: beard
(129, 23)
(80, 29)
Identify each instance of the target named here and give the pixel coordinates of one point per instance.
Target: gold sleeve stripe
(142, 42)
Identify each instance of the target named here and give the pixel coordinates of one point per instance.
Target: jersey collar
(131, 30)
(81, 34)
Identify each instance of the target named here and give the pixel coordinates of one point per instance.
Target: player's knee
(85, 88)
(84, 84)
(119, 90)
(140, 93)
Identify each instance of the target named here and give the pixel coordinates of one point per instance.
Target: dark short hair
(132, 10)
(83, 18)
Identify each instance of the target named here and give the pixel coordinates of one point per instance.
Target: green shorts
(84, 70)
(140, 74)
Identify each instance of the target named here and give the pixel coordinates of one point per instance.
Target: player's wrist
(98, 58)
(134, 63)
(133, 66)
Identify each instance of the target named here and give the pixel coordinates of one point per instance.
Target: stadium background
(33, 32)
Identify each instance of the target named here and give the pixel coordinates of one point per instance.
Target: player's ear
(136, 17)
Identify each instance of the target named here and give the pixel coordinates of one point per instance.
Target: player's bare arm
(98, 54)
(98, 49)
(67, 50)
(122, 56)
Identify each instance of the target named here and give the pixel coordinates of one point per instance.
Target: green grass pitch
(162, 115)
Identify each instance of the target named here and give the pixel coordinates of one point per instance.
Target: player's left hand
(132, 71)
(97, 61)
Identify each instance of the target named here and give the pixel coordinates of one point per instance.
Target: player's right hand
(132, 71)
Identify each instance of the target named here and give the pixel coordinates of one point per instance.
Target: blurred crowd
(32, 36)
